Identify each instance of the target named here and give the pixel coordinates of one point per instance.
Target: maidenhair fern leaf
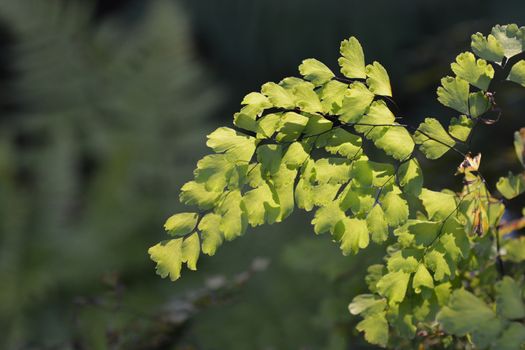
(378, 80)
(511, 186)
(517, 73)
(454, 93)
(477, 72)
(309, 143)
(352, 61)
(432, 139)
(487, 47)
(511, 38)
(181, 224)
(316, 72)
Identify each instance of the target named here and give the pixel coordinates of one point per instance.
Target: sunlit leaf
(190, 250)
(460, 127)
(511, 186)
(355, 103)
(517, 73)
(487, 47)
(352, 61)
(510, 37)
(393, 286)
(422, 278)
(454, 93)
(211, 234)
(477, 72)
(181, 224)
(378, 80)
(168, 256)
(434, 141)
(315, 71)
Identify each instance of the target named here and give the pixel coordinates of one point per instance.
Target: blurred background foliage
(104, 110)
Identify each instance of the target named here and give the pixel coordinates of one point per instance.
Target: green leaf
(460, 127)
(211, 234)
(512, 338)
(261, 206)
(467, 314)
(439, 205)
(332, 95)
(352, 234)
(181, 224)
(270, 157)
(237, 146)
(388, 135)
(293, 125)
(433, 139)
(442, 292)
(332, 170)
(517, 73)
(510, 37)
(306, 98)
(368, 173)
(355, 103)
(254, 104)
(393, 286)
(402, 261)
(374, 274)
(511, 186)
(315, 71)
(410, 177)
(477, 72)
(378, 114)
(283, 185)
(395, 141)
(194, 193)
(327, 217)
(454, 93)
(190, 250)
(515, 249)
(375, 328)
(437, 263)
(422, 278)
(168, 256)
(519, 145)
(424, 232)
(214, 171)
(317, 125)
(353, 61)
(478, 103)
(395, 207)
(234, 219)
(509, 299)
(377, 224)
(308, 195)
(401, 319)
(366, 304)
(487, 48)
(339, 141)
(295, 155)
(358, 199)
(278, 96)
(268, 125)
(378, 80)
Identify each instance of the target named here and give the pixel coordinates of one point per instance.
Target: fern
(315, 143)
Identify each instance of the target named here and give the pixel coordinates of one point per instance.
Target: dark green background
(105, 108)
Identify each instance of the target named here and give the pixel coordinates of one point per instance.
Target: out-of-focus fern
(87, 155)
